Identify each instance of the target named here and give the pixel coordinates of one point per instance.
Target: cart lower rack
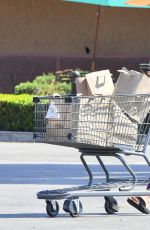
(98, 126)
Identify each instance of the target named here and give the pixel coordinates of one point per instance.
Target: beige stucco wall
(58, 28)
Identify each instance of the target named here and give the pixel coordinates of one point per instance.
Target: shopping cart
(99, 126)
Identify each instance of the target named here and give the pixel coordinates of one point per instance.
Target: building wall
(55, 27)
(39, 36)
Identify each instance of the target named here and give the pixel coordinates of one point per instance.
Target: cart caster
(111, 205)
(52, 208)
(73, 207)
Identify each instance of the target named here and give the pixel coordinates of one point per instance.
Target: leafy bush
(43, 85)
(16, 112)
(45, 79)
(26, 88)
(61, 88)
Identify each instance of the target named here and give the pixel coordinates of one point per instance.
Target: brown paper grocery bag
(95, 83)
(102, 122)
(99, 82)
(132, 82)
(81, 86)
(61, 120)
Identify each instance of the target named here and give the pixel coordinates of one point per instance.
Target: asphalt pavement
(26, 168)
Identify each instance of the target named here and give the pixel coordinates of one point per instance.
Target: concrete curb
(11, 136)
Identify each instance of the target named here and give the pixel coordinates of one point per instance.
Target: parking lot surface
(26, 168)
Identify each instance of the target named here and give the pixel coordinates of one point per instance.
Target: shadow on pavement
(23, 215)
(62, 174)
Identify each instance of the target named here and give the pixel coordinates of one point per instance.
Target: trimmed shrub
(43, 85)
(16, 112)
(26, 88)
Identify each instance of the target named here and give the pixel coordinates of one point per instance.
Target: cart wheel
(73, 207)
(111, 205)
(52, 208)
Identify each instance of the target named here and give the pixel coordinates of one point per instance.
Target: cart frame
(72, 205)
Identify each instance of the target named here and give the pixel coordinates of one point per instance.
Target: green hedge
(16, 112)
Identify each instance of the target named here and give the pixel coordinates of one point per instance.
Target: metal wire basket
(105, 121)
